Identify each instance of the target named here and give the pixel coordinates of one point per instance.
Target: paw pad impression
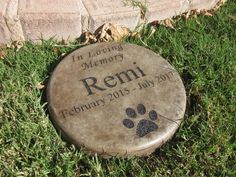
(144, 126)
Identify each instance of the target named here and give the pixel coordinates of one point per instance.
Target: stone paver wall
(67, 19)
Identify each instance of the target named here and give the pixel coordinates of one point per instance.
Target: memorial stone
(116, 99)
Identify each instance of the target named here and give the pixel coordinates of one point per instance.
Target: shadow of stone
(193, 99)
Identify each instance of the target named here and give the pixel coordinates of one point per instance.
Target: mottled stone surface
(163, 9)
(10, 27)
(4, 31)
(48, 18)
(111, 11)
(108, 99)
(202, 4)
(13, 21)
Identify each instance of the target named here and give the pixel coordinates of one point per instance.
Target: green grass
(204, 53)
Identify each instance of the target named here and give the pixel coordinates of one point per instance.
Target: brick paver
(48, 18)
(163, 9)
(203, 4)
(4, 31)
(113, 11)
(10, 26)
(67, 19)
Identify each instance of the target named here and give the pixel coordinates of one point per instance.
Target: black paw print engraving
(144, 126)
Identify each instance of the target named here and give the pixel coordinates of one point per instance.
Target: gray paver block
(110, 11)
(49, 18)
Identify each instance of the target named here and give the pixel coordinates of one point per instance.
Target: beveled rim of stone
(145, 149)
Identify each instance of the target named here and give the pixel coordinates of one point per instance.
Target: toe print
(153, 115)
(144, 126)
(128, 123)
(141, 109)
(131, 113)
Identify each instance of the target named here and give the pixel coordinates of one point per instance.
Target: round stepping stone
(116, 99)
